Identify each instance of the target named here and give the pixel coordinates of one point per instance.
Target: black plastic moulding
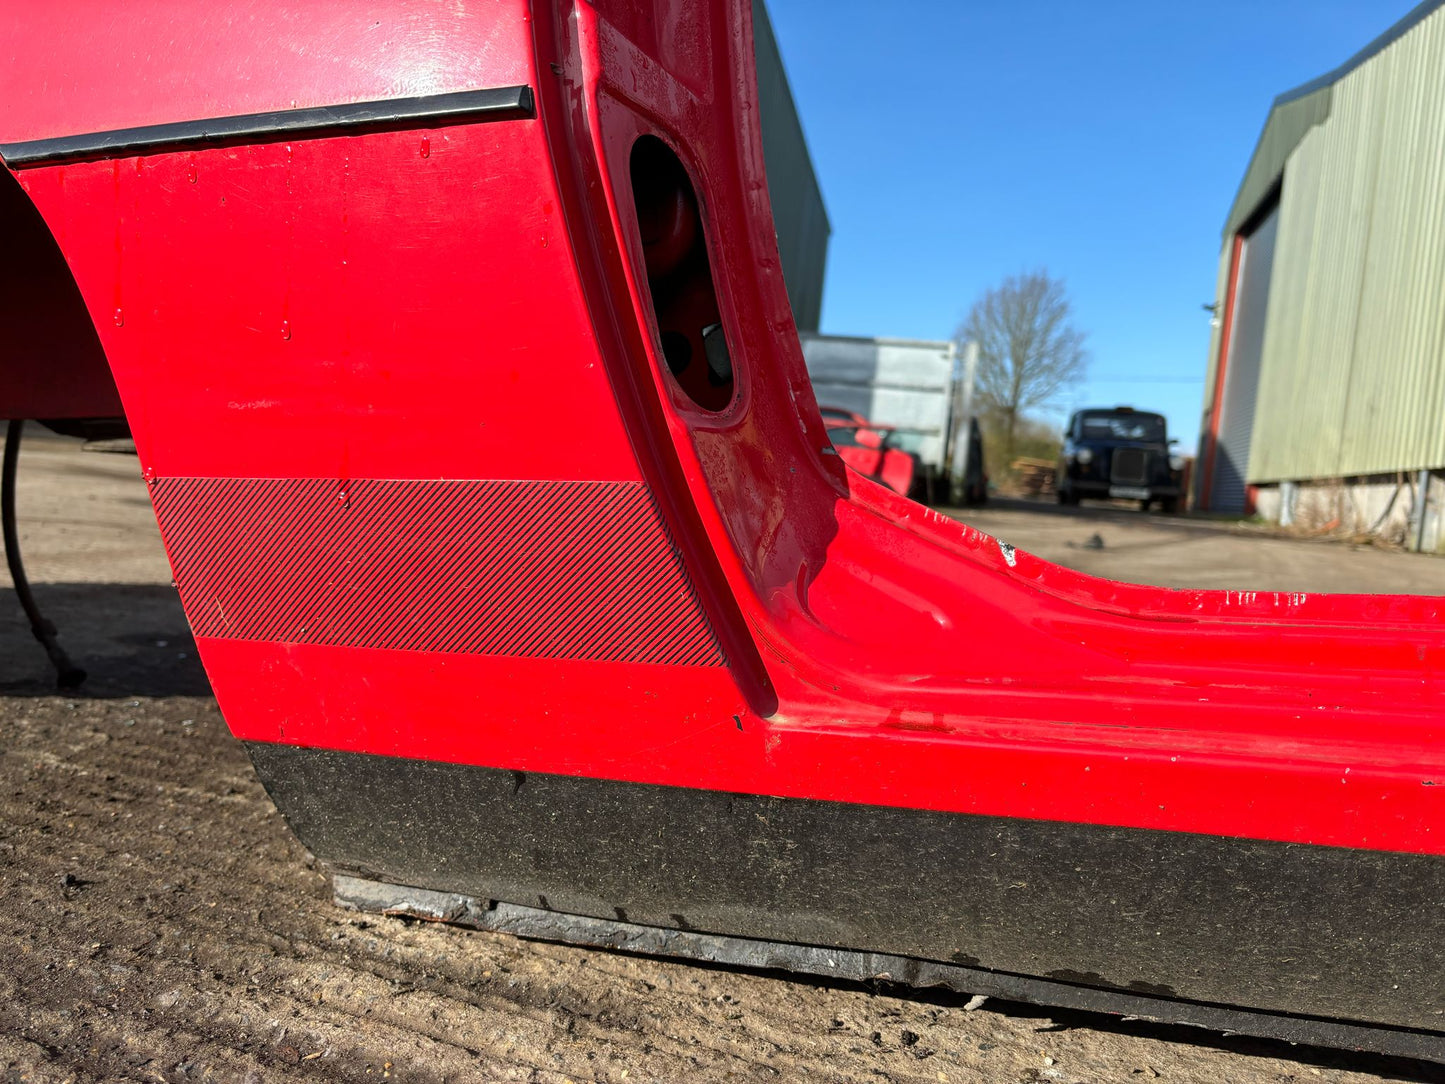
(461, 107)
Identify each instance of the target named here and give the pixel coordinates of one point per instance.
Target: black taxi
(1116, 453)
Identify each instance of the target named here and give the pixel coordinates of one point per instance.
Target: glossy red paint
(470, 302)
(99, 67)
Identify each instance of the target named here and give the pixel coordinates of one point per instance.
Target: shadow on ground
(131, 639)
(1093, 512)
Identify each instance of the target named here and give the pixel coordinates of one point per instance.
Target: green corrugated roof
(798, 210)
(1294, 113)
(1352, 371)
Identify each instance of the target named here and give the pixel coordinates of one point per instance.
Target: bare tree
(1028, 348)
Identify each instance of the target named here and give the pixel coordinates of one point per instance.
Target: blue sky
(960, 142)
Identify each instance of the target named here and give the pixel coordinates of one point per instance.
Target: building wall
(1381, 507)
(1287, 121)
(798, 212)
(1245, 352)
(1353, 373)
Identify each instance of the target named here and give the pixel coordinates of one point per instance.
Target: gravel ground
(159, 922)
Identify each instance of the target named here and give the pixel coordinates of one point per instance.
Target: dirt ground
(158, 922)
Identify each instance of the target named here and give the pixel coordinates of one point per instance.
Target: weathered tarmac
(1120, 542)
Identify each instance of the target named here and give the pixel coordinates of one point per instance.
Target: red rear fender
(430, 487)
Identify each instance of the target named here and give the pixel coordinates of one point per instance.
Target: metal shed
(798, 212)
(1327, 362)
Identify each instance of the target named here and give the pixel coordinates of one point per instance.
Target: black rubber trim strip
(1295, 929)
(462, 107)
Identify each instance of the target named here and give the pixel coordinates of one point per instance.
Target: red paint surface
(354, 312)
(95, 67)
(888, 466)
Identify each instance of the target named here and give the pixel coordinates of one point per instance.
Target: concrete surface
(1122, 543)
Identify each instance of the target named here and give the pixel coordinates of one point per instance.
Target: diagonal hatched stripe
(580, 570)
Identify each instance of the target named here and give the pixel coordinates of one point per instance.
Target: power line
(1143, 380)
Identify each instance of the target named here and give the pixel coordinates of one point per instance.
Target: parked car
(833, 414)
(1119, 453)
(869, 450)
(859, 441)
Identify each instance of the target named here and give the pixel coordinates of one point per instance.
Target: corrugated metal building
(1326, 379)
(798, 212)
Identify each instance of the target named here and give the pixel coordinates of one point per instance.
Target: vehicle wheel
(1169, 506)
(1144, 506)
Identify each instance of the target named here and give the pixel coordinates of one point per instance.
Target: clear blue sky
(959, 142)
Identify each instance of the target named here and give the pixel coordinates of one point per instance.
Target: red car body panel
(98, 68)
(426, 354)
(347, 327)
